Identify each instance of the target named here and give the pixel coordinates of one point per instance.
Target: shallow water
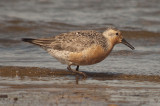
(139, 21)
(40, 94)
(132, 14)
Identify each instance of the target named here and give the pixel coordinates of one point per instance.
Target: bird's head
(115, 37)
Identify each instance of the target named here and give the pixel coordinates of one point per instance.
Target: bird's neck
(109, 46)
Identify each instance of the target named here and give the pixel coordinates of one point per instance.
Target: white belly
(61, 56)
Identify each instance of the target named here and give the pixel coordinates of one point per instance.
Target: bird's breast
(89, 56)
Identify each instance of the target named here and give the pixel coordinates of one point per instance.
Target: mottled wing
(72, 41)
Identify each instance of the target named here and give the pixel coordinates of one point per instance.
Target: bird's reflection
(77, 79)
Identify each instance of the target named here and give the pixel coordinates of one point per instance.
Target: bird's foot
(83, 74)
(78, 72)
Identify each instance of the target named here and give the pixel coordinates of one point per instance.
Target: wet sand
(21, 72)
(45, 86)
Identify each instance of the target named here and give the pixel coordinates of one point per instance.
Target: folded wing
(72, 41)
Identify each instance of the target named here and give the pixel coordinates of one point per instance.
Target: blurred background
(138, 19)
(126, 14)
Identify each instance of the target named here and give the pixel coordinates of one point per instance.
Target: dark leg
(78, 72)
(77, 76)
(77, 69)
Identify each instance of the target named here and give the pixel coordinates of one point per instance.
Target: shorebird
(85, 47)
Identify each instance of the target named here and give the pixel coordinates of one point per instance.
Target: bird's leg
(76, 71)
(77, 76)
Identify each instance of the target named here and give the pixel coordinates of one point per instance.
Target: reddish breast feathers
(89, 56)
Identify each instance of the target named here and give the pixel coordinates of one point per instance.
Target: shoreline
(13, 71)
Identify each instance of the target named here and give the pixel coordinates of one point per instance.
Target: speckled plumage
(61, 46)
(73, 41)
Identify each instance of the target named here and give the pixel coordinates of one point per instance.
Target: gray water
(131, 14)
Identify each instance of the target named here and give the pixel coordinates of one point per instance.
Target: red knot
(80, 48)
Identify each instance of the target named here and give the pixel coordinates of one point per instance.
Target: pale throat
(112, 41)
(110, 44)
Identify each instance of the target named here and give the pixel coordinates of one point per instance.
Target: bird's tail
(30, 40)
(39, 42)
(33, 41)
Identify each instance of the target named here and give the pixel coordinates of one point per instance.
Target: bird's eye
(116, 33)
